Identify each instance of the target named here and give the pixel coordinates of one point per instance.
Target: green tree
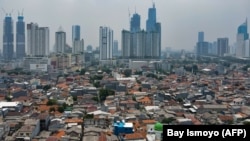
(7, 98)
(195, 68)
(138, 73)
(167, 120)
(88, 116)
(64, 105)
(246, 123)
(140, 89)
(46, 87)
(82, 72)
(180, 100)
(52, 102)
(52, 109)
(106, 69)
(133, 98)
(97, 84)
(95, 98)
(103, 93)
(60, 109)
(75, 98)
(127, 72)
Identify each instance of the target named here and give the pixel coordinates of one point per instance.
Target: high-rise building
(143, 44)
(8, 38)
(240, 45)
(214, 48)
(78, 46)
(247, 48)
(201, 36)
(77, 42)
(31, 38)
(20, 37)
(106, 43)
(89, 49)
(153, 29)
(126, 44)
(43, 45)
(135, 23)
(76, 32)
(242, 29)
(151, 21)
(115, 48)
(60, 45)
(222, 46)
(241, 38)
(202, 48)
(37, 40)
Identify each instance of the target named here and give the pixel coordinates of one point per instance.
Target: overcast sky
(180, 19)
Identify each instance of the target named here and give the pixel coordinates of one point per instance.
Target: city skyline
(180, 20)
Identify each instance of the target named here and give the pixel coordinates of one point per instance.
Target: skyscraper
(202, 48)
(151, 21)
(8, 38)
(105, 43)
(78, 46)
(143, 44)
(89, 49)
(37, 40)
(201, 36)
(20, 38)
(153, 29)
(76, 32)
(31, 38)
(43, 41)
(135, 23)
(77, 42)
(126, 44)
(60, 41)
(115, 48)
(222, 46)
(242, 29)
(241, 38)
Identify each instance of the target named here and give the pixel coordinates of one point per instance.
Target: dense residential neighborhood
(84, 71)
(109, 103)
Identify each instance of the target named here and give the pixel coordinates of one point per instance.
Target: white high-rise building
(37, 40)
(233, 49)
(60, 41)
(240, 46)
(43, 45)
(247, 48)
(106, 43)
(241, 40)
(78, 46)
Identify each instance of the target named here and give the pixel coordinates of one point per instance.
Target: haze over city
(180, 20)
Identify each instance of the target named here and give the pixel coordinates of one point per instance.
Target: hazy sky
(180, 19)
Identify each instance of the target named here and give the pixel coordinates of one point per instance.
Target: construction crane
(20, 14)
(129, 17)
(7, 14)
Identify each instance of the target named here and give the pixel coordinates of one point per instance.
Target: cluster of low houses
(137, 111)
